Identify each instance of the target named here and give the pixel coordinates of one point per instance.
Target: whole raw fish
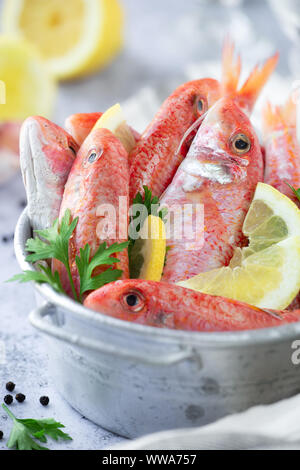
(221, 171)
(164, 305)
(248, 93)
(81, 124)
(47, 153)
(98, 179)
(155, 159)
(282, 149)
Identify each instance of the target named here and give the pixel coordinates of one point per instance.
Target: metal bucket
(132, 379)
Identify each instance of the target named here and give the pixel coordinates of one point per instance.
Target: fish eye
(92, 157)
(200, 105)
(133, 301)
(241, 144)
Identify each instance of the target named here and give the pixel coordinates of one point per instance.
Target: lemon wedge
(267, 272)
(272, 217)
(75, 37)
(114, 120)
(27, 87)
(147, 256)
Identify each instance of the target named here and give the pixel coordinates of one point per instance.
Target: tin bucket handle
(37, 319)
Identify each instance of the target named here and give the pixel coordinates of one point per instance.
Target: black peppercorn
(44, 401)
(8, 399)
(1, 435)
(10, 386)
(20, 397)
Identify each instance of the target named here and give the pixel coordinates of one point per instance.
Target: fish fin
(271, 118)
(273, 313)
(231, 69)
(274, 117)
(289, 111)
(248, 94)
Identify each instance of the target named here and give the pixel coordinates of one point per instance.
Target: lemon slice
(114, 120)
(267, 272)
(27, 88)
(267, 279)
(147, 256)
(74, 37)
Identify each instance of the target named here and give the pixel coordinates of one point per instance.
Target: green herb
(168, 248)
(25, 432)
(295, 191)
(151, 206)
(54, 243)
(86, 266)
(45, 276)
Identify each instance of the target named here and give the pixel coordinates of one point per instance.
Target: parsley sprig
(26, 432)
(54, 243)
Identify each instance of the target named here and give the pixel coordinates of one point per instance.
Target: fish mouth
(215, 165)
(220, 157)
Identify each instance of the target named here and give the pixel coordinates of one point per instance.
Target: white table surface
(159, 45)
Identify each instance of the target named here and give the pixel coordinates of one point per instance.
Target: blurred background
(135, 52)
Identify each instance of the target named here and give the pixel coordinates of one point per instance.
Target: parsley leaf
(295, 191)
(45, 276)
(45, 427)
(86, 266)
(25, 431)
(53, 242)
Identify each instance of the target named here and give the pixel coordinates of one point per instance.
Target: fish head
(48, 143)
(132, 300)
(199, 95)
(98, 149)
(195, 97)
(224, 148)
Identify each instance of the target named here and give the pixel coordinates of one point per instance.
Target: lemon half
(267, 272)
(27, 86)
(74, 37)
(147, 256)
(114, 120)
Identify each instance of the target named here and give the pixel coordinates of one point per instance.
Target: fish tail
(231, 69)
(248, 94)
